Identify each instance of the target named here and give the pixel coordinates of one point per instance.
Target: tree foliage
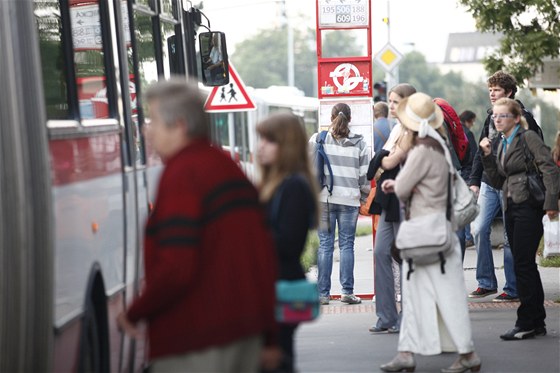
(531, 30)
(262, 59)
(463, 95)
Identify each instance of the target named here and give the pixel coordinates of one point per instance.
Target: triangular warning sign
(229, 97)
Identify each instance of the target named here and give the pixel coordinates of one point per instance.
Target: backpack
(533, 125)
(454, 128)
(322, 160)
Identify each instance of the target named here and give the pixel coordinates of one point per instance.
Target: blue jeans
(346, 217)
(490, 201)
(468, 235)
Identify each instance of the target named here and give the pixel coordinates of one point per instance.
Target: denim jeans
(490, 201)
(346, 218)
(468, 235)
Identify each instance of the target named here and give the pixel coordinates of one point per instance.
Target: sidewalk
(339, 340)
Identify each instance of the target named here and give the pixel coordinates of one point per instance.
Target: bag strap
(321, 140)
(529, 157)
(378, 131)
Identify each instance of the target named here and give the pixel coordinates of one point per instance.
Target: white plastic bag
(551, 236)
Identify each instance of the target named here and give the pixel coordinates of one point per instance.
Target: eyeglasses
(502, 116)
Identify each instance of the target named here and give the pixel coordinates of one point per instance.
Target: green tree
(531, 31)
(463, 95)
(262, 59)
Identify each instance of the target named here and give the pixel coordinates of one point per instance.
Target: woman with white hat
(435, 313)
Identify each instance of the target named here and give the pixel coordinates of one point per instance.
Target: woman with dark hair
(387, 205)
(348, 156)
(287, 188)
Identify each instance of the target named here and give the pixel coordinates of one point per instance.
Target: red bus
(75, 175)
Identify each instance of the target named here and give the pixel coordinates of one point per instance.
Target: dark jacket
(511, 177)
(291, 213)
(466, 165)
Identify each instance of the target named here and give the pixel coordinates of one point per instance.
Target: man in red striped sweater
(209, 261)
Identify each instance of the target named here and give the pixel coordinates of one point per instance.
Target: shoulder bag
(296, 301)
(465, 208)
(535, 184)
(426, 239)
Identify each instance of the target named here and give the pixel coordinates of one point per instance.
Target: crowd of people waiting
(193, 274)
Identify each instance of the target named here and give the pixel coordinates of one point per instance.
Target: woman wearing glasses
(508, 171)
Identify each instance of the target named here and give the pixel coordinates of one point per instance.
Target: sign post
(346, 79)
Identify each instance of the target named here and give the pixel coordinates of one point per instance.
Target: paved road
(340, 342)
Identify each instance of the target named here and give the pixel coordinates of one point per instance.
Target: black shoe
(518, 333)
(540, 331)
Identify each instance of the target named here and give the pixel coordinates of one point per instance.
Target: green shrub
(309, 257)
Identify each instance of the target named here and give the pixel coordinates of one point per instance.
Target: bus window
(147, 66)
(220, 129)
(49, 24)
(167, 8)
(91, 79)
(170, 50)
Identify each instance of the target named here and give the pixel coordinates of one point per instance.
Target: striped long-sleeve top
(349, 159)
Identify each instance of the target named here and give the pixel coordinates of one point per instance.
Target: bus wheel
(89, 347)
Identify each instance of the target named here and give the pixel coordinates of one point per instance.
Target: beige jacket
(423, 180)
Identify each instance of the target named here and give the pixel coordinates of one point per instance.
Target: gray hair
(181, 100)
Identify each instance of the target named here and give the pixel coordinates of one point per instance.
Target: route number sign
(343, 13)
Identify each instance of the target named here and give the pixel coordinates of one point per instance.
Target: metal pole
(290, 45)
(231, 134)
(192, 18)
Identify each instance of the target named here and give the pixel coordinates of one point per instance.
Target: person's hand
(552, 214)
(475, 189)
(388, 186)
(128, 327)
(271, 357)
(485, 146)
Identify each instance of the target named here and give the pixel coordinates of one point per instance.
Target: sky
(421, 25)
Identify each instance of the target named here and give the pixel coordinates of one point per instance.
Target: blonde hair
(514, 108)
(286, 130)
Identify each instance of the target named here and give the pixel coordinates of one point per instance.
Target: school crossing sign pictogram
(229, 97)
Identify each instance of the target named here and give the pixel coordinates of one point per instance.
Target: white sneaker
(350, 299)
(324, 300)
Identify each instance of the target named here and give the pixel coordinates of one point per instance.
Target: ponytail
(340, 118)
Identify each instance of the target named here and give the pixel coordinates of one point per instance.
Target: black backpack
(321, 160)
(532, 123)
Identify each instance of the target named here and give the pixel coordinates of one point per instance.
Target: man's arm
(475, 178)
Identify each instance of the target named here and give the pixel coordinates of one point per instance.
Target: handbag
(423, 238)
(535, 184)
(551, 236)
(465, 207)
(426, 239)
(296, 301)
(365, 206)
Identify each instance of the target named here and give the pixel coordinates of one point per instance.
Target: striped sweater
(349, 159)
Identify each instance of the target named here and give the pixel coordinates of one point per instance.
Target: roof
(470, 47)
